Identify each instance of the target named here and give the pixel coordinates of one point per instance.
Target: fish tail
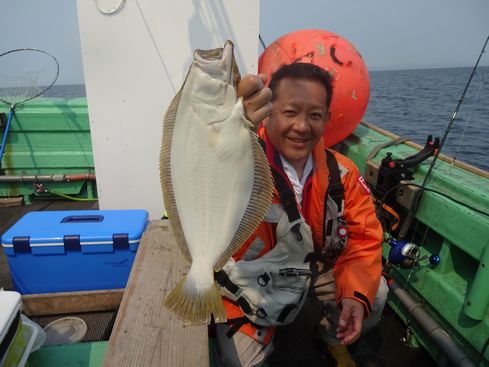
(195, 306)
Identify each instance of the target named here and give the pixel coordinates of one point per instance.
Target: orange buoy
(351, 85)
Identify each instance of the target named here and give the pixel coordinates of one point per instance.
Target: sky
(390, 34)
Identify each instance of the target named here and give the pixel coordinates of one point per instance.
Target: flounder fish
(216, 182)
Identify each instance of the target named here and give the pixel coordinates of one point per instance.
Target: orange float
(351, 85)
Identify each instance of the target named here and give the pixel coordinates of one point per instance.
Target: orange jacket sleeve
(359, 266)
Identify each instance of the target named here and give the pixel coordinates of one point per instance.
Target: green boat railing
(51, 138)
(452, 225)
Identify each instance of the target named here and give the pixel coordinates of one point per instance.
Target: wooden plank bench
(145, 333)
(71, 302)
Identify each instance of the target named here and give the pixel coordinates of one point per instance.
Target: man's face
(298, 118)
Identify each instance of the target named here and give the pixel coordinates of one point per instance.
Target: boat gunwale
(446, 158)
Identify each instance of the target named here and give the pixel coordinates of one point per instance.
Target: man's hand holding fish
(256, 97)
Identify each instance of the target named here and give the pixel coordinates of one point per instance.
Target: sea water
(415, 104)
(418, 103)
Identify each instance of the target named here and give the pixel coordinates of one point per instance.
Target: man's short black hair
(301, 70)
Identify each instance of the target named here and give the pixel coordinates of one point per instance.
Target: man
(292, 137)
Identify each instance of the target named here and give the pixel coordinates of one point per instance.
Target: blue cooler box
(62, 251)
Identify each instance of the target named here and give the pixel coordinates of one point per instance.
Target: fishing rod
(412, 212)
(262, 42)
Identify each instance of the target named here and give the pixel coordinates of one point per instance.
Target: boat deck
(295, 344)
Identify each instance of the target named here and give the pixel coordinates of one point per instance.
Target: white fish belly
(212, 177)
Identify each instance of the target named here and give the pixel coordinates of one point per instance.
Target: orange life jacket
(357, 267)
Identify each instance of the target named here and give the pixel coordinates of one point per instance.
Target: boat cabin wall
(135, 61)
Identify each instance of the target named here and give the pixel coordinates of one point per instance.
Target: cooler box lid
(82, 227)
(10, 303)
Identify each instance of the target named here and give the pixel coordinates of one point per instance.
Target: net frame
(45, 89)
(13, 105)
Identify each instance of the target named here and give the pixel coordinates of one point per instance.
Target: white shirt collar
(297, 184)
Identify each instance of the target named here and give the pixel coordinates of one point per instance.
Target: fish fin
(260, 201)
(235, 73)
(195, 307)
(166, 178)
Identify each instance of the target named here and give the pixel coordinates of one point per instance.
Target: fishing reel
(407, 255)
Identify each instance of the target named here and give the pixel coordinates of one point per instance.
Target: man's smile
(299, 140)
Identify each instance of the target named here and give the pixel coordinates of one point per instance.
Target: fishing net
(25, 74)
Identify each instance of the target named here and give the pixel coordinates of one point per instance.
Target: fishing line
(262, 42)
(454, 158)
(454, 117)
(18, 86)
(151, 37)
(118, 7)
(429, 174)
(412, 212)
(462, 138)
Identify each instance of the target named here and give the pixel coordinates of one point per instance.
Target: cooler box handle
(83, 219)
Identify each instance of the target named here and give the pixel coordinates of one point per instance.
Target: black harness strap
(286, 195)
(235, 325)
(335, 191)
(285, 312)
(222, 278)
(335, 187)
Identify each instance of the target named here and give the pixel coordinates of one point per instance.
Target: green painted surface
(456, 292)
(48, 136)
(75, 355)
(52, 136)
(84, 355)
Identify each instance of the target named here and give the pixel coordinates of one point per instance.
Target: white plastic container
(30, 335)
(12, 340)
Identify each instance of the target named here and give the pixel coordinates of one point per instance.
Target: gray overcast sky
(390, 34)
